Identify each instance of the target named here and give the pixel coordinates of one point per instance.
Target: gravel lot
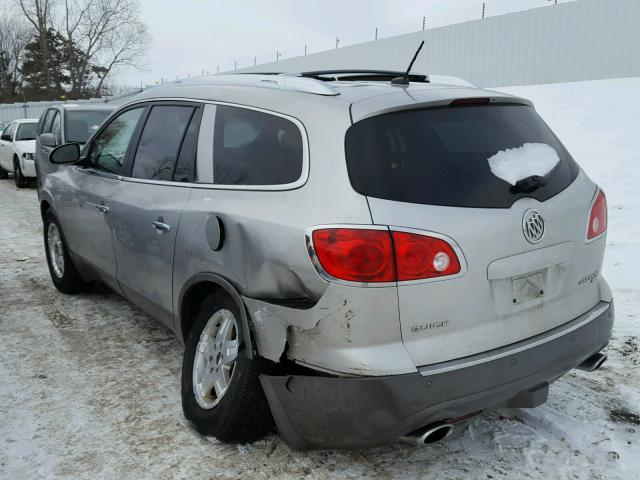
(89, 388)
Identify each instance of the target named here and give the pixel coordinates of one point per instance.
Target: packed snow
(515, 164)
(89, 385)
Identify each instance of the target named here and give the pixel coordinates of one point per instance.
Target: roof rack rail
(362, 75)
(268, 80)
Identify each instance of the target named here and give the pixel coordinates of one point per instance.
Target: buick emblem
(533, 226)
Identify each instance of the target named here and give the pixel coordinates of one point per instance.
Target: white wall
(582, 40)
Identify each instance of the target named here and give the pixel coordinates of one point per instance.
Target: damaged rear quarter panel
(351, 330)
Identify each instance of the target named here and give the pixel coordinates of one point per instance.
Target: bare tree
(14, 35)
(102, 35)
(124, 48)
(38, 13)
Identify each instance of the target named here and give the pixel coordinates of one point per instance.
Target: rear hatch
(451, 171)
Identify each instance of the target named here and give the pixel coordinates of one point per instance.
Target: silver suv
(361, 260)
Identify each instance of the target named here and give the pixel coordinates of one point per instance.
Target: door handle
(102, 208)
(160, 225)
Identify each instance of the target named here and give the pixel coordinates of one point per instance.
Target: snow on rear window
(515, 164)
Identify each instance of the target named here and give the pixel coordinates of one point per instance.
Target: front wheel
(63, 272)
(221, 391)
(18, 177)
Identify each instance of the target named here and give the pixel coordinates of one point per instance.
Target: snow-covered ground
(89, 385)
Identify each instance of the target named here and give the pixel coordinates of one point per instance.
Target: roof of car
(84, 107)
(27, 120)
(292, 94)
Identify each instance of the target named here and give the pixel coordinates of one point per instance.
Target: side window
(10, 130)
(186, 165)
(109, 148)
(48, 119)
(56, 128)
(255, 148)
(160, 142)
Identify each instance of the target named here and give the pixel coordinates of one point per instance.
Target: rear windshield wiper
(528, 184)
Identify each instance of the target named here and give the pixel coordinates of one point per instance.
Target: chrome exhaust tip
(593, 363)
(429, 434)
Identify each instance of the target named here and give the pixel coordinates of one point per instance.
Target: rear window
(444, 156)
(80, 125)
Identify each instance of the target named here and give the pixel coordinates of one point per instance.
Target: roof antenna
(405, 80)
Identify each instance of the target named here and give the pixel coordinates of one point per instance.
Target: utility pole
(305, 49)
(482, 9)
(278, 55)
(255, 61)
(235, 64)
(337, 41)
(217, 69)
(424, 22)
(376, 33)
(203, 73)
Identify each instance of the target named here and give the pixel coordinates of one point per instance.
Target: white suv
(17, 150)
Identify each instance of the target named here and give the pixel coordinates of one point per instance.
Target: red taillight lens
(355, 255)
(598, 217)
(375, 256)
(420, 256)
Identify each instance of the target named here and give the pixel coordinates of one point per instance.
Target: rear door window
(160, 142)
(186, 165)
(255, 148)
(447, 156)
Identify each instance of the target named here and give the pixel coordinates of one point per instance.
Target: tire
(67, 279)
(241, 414)
(18, 177)
(3, 173)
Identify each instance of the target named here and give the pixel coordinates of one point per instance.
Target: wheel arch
(193, 293)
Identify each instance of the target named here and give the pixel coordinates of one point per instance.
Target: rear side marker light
(366, 255)
(597, 217)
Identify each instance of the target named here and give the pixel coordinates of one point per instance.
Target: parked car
(65, 123)
(17, 149)
(361, 260)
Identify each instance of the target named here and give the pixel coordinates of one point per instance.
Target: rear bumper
(355, 412)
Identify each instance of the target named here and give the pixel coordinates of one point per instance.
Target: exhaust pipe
(429, 434)
(593, 363)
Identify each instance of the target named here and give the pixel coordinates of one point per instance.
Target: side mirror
(48, 140)
(67, 153)
(6, 137)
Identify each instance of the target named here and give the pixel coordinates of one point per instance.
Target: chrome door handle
(158, 225)
(102, 208)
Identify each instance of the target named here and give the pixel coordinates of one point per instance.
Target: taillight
(597, 217)
(354, 254)
(377, 255)
(421, 256)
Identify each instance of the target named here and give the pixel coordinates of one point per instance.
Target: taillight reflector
(597, 217)
(377, 256)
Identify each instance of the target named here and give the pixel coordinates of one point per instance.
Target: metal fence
(582, 40)
(14, 111)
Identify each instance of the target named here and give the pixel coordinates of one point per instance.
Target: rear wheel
(18, 177)
(63, 272)
(221, 391)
